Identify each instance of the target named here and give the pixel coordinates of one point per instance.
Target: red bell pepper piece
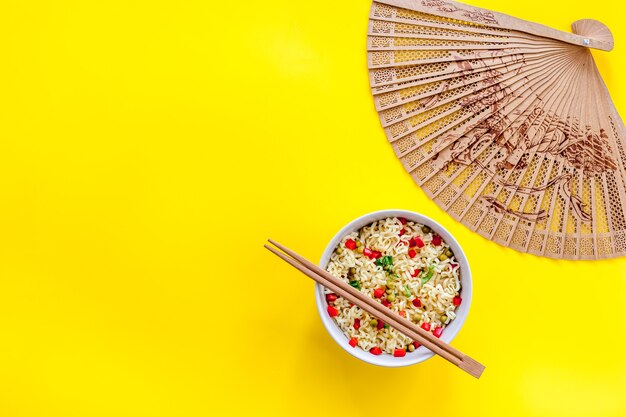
(376, 351)
(353, 342)
(398, 353)
(332, 311)
(437, 332)
(372, 254)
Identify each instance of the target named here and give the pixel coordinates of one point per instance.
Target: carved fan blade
(506, 124)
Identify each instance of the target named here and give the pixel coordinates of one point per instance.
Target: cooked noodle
(437, 295)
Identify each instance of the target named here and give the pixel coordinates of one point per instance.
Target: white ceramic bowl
(420, 354)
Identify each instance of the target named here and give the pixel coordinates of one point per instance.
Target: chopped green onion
(428, 275)
(386, 326)
(356, 284)
(385, 261)
(406, 291)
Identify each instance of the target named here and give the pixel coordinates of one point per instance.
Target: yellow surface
(148, 149)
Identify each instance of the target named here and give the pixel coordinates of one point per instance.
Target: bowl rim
(420, 354)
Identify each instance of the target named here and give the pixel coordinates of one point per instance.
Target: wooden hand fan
(506, 124)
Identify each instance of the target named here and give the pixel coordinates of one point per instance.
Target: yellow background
(147, 150)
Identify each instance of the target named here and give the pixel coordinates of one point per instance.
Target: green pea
(358, 244)
(391, 297)
(373, 322)
(444, 318)
(359, 249)
(449, 253)
(339, 251)
(425, 229)
(443, 257)
(352, 271)
(410, 347)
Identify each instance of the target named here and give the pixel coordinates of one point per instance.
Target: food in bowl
(408, 268)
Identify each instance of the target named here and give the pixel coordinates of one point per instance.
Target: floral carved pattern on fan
(473, 15)
(585, 150)
(505, 124)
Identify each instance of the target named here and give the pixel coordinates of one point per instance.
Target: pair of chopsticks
(368, 304)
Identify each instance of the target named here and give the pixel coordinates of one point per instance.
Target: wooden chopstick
(348, 295)
(381, 310)
(367, 303)
(371, 306)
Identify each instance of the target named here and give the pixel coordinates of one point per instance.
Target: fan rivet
(586, 42)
